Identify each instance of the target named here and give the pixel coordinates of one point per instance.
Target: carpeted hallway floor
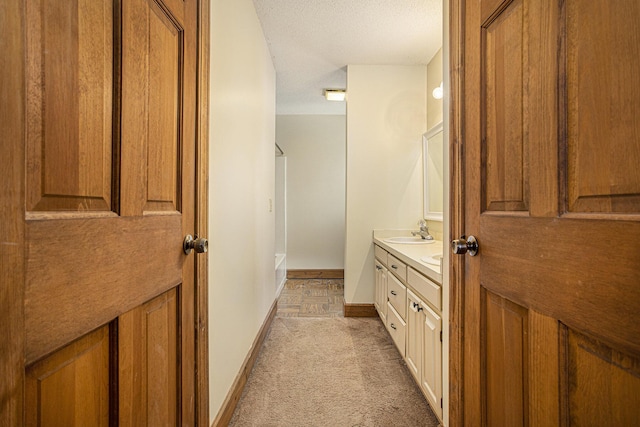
(331, 371)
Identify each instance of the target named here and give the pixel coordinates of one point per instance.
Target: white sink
(408, 240)
(432, 259)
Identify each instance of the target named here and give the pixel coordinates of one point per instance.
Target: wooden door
(106, 327)
(546, 142)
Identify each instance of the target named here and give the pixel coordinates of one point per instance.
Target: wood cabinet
(409, 305)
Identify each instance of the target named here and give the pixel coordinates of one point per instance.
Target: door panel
(602, 107)
(152, 87)
(505, 333)
(505, 155)
(551, 189)
(90, 258)
(69, 85)
(149, 346)
(599, 382)
(71, 387)
(539, 263)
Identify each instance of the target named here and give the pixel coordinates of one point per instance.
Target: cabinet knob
(393, 293)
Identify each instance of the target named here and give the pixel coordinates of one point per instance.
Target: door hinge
(440, 336)
(441, 403)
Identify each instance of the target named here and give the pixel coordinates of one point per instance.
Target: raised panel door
(431, 369)
(381, 291)
(549, 324)
(109, 196)
(415, 335)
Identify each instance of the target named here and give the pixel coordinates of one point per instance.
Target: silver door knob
(198, 243)
(461, 246)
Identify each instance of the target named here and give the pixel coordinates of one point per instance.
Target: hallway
(311, 298)
(318, 368)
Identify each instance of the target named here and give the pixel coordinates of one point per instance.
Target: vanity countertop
(411, 253)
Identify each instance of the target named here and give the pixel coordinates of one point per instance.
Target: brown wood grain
(69, 137)
(77, 264)
(158, 170)
(562, 261)
(235, 392)
(12, 202)
(456, 209)
(504, 366)
(543, 270)
(188, 204)
(202, 218)
(544, 397)
(360, 310)
(149, 346)
(315, 274)
(83, 273)
(598, 373)
(505, 157)
(545, 119)
(473, 168)
(602, 146)
(71, 386)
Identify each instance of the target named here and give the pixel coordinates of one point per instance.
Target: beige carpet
(331, 372)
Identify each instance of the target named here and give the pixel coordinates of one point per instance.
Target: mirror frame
(426, 212)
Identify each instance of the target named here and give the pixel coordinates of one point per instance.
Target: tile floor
(311, 298)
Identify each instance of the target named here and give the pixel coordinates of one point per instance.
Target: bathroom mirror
(432, 154)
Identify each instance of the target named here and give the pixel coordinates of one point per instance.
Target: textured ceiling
(312, 41)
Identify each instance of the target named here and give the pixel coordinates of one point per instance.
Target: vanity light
(438, 92)
(335, 94)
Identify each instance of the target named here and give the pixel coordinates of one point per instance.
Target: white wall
(315, 150)
(386, 117)
(241, 182)
(280, 204)
(434, 77)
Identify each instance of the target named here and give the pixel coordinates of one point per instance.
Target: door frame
(456, 209)
(12, 209)
(201, 314)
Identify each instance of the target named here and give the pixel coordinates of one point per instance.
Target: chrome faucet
(424, 231)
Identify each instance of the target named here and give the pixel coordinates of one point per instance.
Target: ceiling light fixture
(335, 94)
(438, 92)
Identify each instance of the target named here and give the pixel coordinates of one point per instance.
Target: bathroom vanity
(408, 298)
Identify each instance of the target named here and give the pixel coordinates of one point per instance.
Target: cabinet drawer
(398, 267)
(430, 290)
(397, 294)
(397, 328)
(380, 253)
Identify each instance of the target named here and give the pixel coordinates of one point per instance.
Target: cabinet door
(381, 291)
(415, 335)
(432, 359)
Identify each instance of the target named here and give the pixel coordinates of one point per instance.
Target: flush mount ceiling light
(438, 92)
(335, 94)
